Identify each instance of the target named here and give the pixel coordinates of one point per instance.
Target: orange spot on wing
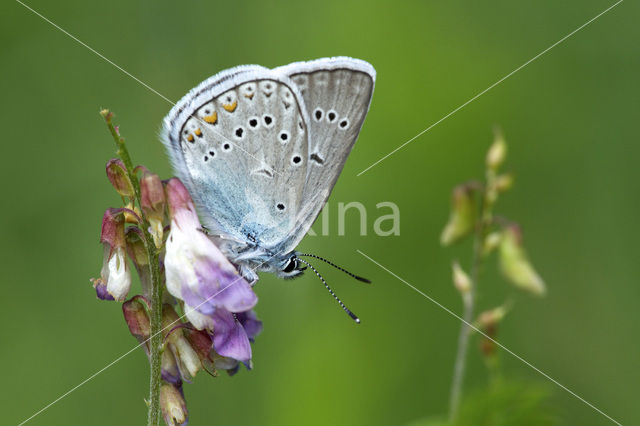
(190, 137)
(211, 119)
(198, 132)
(230, 107)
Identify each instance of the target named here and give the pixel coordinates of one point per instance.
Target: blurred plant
(472, 215)
(159, 230)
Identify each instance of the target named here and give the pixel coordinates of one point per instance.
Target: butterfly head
(290, 266)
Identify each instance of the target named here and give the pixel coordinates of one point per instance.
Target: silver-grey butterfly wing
(337, 93)
(239, 142)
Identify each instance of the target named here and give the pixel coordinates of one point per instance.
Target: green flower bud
(491, 242)
(504, 182)
(461, 280)
(497, 152)
(462, 219)
(515, 265)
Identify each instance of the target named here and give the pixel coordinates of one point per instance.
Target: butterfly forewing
(244, 147)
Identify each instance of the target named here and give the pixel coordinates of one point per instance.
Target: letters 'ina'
(260, 150)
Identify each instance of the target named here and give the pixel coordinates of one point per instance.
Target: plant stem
(468, 300)
(155, 343)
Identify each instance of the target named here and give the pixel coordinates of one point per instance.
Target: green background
(570, 118)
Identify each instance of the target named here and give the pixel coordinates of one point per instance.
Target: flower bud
(488, 322)
(132, 213)
(491, 317)
(115, 276)
(461, 280)
(119, 178)
(515, 265)
(462, 219)
(497, 152)
(138, 255)
(174, 408)
(491, 242)
(504, 182)
(136, 314)
(187, 359)
(153, 203)
(170, 371)
(202, 343)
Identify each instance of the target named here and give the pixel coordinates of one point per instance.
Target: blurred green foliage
(503, 404)
(570, 116)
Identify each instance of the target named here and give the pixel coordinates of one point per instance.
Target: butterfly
(260, 151)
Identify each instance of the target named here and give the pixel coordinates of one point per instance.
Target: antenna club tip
(364, 280)
(357, 320)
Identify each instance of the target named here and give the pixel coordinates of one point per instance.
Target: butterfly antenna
(351, 314)
(357, 277)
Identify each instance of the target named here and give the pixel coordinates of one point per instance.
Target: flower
(497, 152)
(115, 276)
(174, 408)
(232, 336)
(186, 357)
(515, 264)
(462, 218)
(461, 281)
(119, 178)
(136, 314)
(196, 271)
(138, 255)
(153, 203)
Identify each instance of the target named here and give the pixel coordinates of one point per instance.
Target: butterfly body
(260, 150)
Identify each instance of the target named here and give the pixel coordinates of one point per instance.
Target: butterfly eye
(293, 264)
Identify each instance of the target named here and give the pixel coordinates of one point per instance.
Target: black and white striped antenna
(357, 277)
(347, 310)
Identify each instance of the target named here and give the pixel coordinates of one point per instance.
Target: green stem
(468, 300)
(155, 343)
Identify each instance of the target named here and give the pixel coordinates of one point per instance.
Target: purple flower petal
(101, 290)
(223, 288)
(229, 338)
(252, 325)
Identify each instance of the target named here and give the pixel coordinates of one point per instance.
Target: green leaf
(508, 403)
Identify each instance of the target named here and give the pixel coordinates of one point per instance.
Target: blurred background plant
(473, 216)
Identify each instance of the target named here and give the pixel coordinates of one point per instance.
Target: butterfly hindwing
(337, 93)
